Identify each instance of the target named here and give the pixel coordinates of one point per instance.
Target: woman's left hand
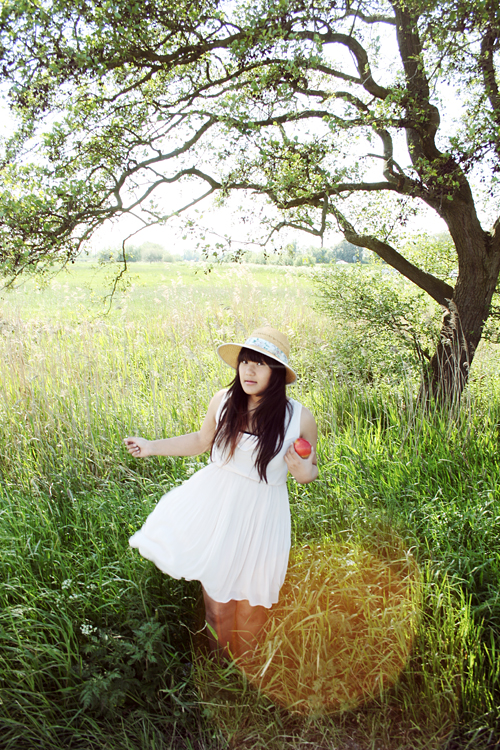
(303, 469)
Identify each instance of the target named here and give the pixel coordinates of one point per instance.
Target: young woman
(228, 526)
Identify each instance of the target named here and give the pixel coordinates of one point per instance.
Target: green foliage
(434, 254)
(118, 254)
(119, 670)
(152, 252)
(347, 253)
(375, 304)
(96, 644)
(133, 254)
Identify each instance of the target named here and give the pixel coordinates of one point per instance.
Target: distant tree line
(292, 255)
(433, 252)
(148, 252)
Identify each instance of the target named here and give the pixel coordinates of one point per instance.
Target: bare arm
(304, 470)
(191, 444)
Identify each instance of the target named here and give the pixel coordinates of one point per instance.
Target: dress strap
(294, 423)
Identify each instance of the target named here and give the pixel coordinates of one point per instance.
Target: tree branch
(342, 187)
(423, 116)
(359, 52)
(165, 157)
(486, 61)
(437, 289)
(375, 18)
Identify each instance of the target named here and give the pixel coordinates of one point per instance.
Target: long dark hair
(269, 420)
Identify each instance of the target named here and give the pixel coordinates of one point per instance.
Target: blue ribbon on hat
(271, 348)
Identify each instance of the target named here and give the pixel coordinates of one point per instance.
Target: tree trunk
(463, 321)
(460, 334)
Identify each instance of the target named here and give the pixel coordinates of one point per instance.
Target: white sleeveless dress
(225, 527)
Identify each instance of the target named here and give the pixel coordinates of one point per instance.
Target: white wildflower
(87, 628)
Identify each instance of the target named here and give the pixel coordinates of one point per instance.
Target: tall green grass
(97, 645)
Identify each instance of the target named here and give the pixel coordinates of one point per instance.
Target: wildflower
(87, 628)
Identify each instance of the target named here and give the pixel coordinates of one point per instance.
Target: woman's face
(254, 376)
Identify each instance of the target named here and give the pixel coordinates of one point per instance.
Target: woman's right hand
(137, 446)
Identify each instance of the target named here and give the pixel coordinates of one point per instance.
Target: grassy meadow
(388, 633)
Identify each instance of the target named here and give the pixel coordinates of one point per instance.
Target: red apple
(302, 447)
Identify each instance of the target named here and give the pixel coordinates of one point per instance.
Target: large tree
(293, 100)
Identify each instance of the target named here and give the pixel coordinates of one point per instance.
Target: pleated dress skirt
(223, 529)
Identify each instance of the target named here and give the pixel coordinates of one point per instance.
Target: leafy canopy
(301, 102)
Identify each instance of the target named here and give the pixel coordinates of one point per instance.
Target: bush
(377, 305)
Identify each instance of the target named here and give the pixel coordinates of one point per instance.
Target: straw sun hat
(266, 340)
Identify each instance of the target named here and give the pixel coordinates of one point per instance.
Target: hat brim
(229, 354)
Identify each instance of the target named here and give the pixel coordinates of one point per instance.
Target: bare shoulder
(217, 398)
(306, 418)
(209, 423)
(215, 401)
(308, 427)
